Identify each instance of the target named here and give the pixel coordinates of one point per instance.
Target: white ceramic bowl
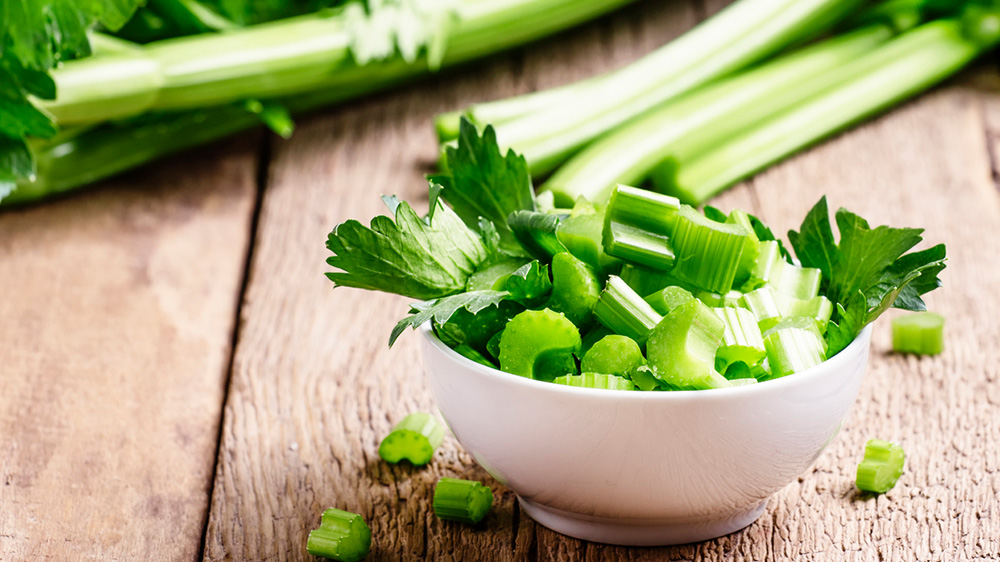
(643, 468)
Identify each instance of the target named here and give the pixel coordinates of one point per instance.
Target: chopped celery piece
(742, 382)
(463, 501)
(595, 335)
(494, 277)
(919, 332)
(708, 252)
(709, 298)
(581, 235)
(799, 282)
(735, 371)
(644, 280)
(769, 255)
(643, 378)
(493, 345)
(741, 341)
(613, 355)
(881, 467)
(530, 285)
(476, 329)
(536, 232)
(818, 308)
(642, 209)
(622, 310)
(669, 298)
(414, 439)
(732, 299)
(792, 350)
(638, 246)
(762, 303)
(575, 288)
(539, 344)
(800, 323)
(682, 347)
(596, 380)
(751, 248)
(470, 353)
(341, 535)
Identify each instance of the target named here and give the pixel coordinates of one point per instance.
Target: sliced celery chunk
(642, 209)
(341, 535)
(645, 281)
(494, 277)
(595, 335)
(767, 263)
(708, 252)
(919, 332)
(613, 355)
(575, 288)
(463, 501)
(539, 344)
(751, 247)
(793, 350)
(881, 467)
(643, 378)
(596, 380)
(414, 439)
(741, 341)
(622, 310)
(638, 246)
(581, 235)
(818, 308)
(681, 349)
(669, 298)
(762, 303)
(799, 282)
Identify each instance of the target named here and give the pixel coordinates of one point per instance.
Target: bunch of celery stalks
(747, 87)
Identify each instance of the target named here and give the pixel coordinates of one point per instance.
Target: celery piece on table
(341, 536)
(464, 501)
(881, 467)
(414, 439)
(920, 332)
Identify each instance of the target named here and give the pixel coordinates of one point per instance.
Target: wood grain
(314, 388)
(117, 313)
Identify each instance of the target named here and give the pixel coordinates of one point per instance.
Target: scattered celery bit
(881, 467)
(342, 536)
(613, 355)
(539, 344)
(741, 341)
(669, 298)
(622, 310)
(596, 380)
(638, 246)
(414, 439)
(920, 332)
(463, 501)
(794, 349)
(708, 252)
(682, 347)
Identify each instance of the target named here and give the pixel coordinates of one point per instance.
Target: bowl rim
(834, 364)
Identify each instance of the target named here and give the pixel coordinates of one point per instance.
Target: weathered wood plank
(117, 313)
(314, 387)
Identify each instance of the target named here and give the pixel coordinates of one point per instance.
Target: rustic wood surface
(131, 428)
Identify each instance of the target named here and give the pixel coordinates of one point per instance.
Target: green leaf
(274, 115)
(482, 182)
(15, 159)
(530, 284)
(868, 271)
(411, 257)
(713, 213)
(764, 232)
(537, 233)
(440, 310)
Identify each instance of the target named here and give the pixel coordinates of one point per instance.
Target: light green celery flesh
(798, 282)
(683, 345)
(918, 332)
(623, 311)
(342, 535)
(641, 208)
(638, 246)
(793, 350)
(739, 35)
(464, 501)
(685, 128)
(768, 263)
(764, 306)
(298, 55)
(596, 380)
(742, 339)
(895, 71)
(708, 252)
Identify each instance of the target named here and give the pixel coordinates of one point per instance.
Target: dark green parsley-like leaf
(530, 284)
(411, 256)
(713, 213)
(482, 182)
(440, 310)
(763, 233)
(867, 271)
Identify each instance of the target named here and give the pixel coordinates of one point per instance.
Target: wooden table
(178, 381)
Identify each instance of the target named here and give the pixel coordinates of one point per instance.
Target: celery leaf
(440, 310)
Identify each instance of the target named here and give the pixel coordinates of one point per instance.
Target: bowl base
(639, 532)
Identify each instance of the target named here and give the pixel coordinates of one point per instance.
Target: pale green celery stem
(896, 71)
(697, 122)
(307, 54)
(739, 35)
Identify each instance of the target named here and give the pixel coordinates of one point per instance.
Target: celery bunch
(746, 88)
